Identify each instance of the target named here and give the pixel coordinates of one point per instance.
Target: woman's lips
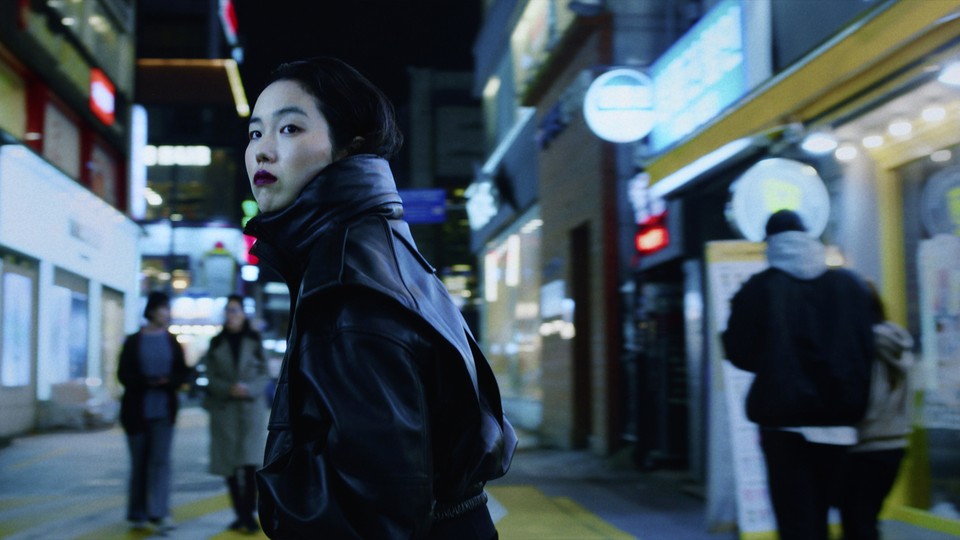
(262, 178)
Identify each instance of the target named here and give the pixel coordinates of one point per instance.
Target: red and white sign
(228, 18)
(102, 96)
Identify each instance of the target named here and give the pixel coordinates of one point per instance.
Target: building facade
(69, 250)
(758, 105)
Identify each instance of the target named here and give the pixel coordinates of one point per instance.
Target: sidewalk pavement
(72, 485)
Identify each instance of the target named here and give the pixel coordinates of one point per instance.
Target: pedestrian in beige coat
(237, 373)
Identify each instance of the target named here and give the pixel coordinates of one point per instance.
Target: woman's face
(160, 316)
(289, 143)
(235, 316)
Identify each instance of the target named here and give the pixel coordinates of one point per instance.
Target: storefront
(905, 146)
(505, 234)
(69, 290)
(514, 315)
(879, 98)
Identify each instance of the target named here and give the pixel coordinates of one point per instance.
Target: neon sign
(102, 96)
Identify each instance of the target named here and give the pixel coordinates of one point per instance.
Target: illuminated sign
(777, 184)
(541, 25)
(424, 206)
(102, 96)
(702, 73)
(228, 19)
(940, 202)
(619, 106)
(653, 234)
(248, 242)
(483, 202)
(192, 156)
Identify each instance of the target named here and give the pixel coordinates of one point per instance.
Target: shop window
(513, 323)
(17, 327)
(69, 318)
(931, 196)
(112, 326)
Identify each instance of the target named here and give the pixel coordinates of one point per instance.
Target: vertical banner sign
(729, 264)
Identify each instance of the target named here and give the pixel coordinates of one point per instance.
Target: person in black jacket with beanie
(151, 369)
(805, 331)
(386, 420)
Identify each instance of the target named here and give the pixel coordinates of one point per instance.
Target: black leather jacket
(387, 417)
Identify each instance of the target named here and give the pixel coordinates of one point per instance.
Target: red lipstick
(262, 178)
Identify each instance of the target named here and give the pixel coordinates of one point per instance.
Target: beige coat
(238, 427)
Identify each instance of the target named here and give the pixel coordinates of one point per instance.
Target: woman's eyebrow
(292, 109)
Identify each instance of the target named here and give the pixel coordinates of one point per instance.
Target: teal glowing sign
(702, 73)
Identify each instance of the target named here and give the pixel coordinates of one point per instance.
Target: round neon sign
(618, 105)
(775, 184)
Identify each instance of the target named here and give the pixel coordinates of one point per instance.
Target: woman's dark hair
(155, 300)
(247, 329)
(352, 105)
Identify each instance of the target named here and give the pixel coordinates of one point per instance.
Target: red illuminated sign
(249, 241)
(228, 18)
(102, 96)
(653, 234)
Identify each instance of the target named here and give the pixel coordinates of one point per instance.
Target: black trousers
(803, 479)
(868, 478)
(243, 495)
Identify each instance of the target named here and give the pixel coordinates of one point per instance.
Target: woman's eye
(289, 129)
(253, 135)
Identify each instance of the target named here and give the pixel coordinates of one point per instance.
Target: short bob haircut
(352, 105)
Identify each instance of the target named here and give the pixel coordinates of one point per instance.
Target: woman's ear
(352, 148)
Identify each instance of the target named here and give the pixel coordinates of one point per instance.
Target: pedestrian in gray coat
(237, 373)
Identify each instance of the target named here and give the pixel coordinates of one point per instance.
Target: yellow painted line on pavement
(533, 516)
(182, 515)
(38, 459)
(200, 507)
(84, 507)
(17, 502)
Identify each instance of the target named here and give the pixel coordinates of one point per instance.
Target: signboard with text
(424, 206)
(714, 64)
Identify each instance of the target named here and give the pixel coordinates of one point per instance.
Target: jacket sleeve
(128, 371)
(741, 336)
(354, 461)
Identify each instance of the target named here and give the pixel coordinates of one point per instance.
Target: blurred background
(589, 177)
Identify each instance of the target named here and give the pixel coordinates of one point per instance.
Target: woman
(871, 466)
(237, 373)
(151, 369)
(387, 420)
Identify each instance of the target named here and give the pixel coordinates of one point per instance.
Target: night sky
(381, 38)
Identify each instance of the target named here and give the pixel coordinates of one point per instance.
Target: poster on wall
(17, 329)
(79, 322)
(940, 329)
(729, 264)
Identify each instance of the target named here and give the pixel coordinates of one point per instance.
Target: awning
(858, 61)
(189, 81)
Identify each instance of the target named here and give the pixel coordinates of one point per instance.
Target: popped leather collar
(342, 191)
